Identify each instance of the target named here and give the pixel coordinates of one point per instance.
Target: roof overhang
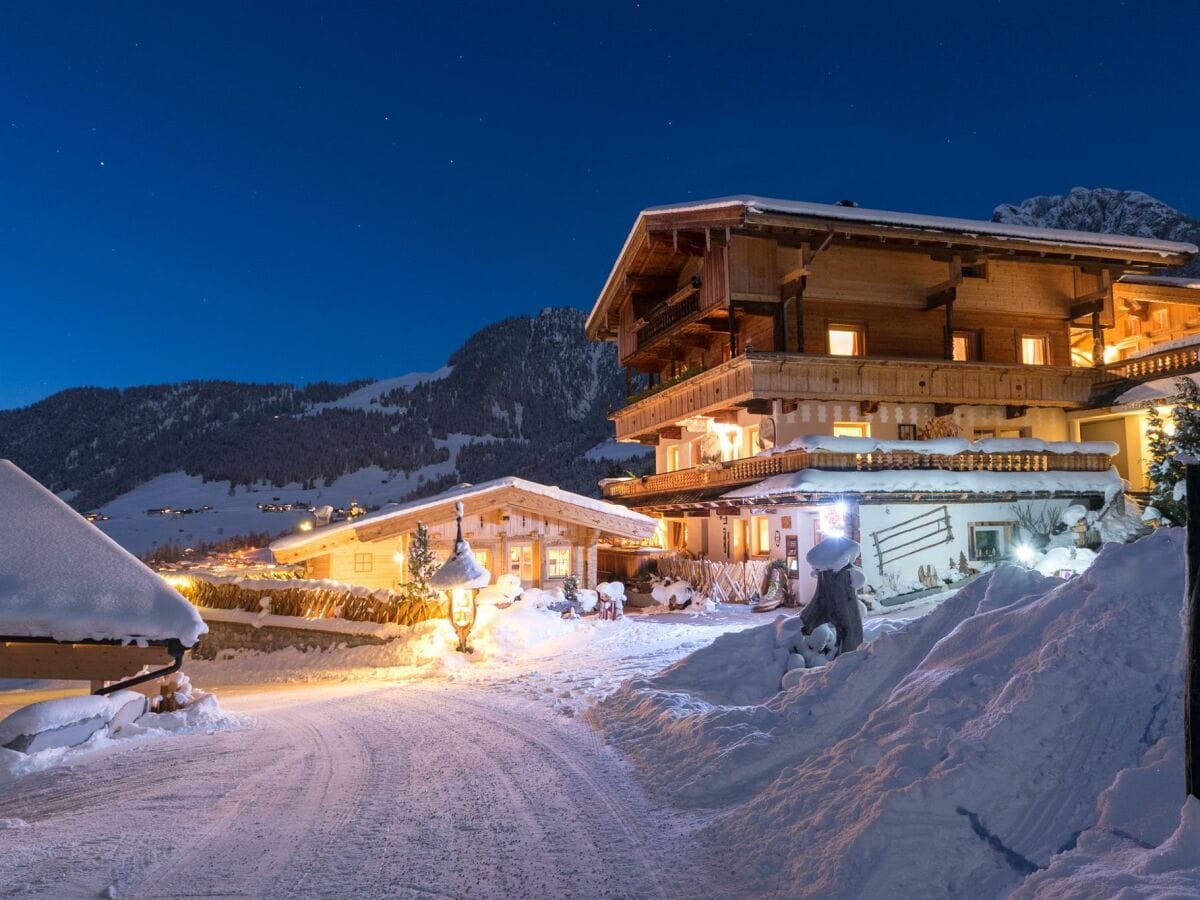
(657, 231)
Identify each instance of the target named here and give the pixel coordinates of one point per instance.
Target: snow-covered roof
(639, 525)
(941, 446)
(826, 214)
(1153, 391)
(1171, 281)
(63, 578)
(931, 481)
(940, 224)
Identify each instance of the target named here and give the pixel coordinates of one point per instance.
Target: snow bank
(958, 754)
(66, 721)
(60, 577)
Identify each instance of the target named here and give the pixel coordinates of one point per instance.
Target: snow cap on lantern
(462, 569)
(833, 554)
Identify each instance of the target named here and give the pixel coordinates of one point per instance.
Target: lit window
(755, 440)
(1161, 318)
(1133, 326)
(364, 562)
(1035, 350)
(966, 346)
(558, 562)
(520, 562)
(762, 535)
(852, 429)
(483, 557)
(673, 458)
(845, 340)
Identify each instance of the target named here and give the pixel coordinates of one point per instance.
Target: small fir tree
(422, 562)
(1168, 437)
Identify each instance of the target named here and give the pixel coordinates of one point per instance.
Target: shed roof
(608, 518)
(63, 578)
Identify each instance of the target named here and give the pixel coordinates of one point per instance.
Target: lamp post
(460, 577)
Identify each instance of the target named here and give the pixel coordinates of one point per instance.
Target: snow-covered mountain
(527, 396)
(1105, 210)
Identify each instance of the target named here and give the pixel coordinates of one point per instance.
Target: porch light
(1024, 554)
(460, 577)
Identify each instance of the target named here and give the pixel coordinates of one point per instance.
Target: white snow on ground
(955, 756)
(62, 579)
(618, 452)
(366, 398)
(237, 512)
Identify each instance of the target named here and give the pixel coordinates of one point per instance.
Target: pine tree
(422, 561)
(1180, 433)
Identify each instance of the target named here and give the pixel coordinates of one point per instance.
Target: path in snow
(362, 790)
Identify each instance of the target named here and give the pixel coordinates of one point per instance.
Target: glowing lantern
(460, 577)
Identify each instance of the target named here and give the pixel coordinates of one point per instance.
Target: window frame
(857, 327)
(1041, 336)
(364, 563)
(974, 344)
(552, 553)
(858, 429)
(762, 535)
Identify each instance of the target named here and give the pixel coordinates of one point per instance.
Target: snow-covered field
(237, 513)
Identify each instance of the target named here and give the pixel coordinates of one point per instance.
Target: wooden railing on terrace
(796, 376)
(747, 471)
(663, 318)
(1164, 364)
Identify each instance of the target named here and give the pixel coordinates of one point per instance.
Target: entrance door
(1109, 430)
(520, 563)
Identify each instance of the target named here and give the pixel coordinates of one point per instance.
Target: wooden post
(948, 334)
(800, 313)
(1191, 711)
(1097, 341)
(780, 330)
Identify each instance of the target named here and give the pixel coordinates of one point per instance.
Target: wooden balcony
(740, 472)
(1164, 364)
(795, 376)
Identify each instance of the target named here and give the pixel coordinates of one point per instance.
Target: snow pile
(504, 591)
(958, 754)
(1065, 562)
(66, 721)
(60, 577)
(677, 593)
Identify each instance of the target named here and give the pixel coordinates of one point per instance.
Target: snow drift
(958, 755)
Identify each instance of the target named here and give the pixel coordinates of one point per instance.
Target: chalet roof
(749, 211)
(61, 577)
(540, 499)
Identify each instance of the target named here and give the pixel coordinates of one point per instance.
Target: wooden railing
(726, 582)
(665, 317)
(796, 376)
(747, 471)
(1164, 364)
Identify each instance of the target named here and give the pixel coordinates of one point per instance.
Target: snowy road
(360, 790)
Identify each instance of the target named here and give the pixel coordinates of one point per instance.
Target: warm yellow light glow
(179, 582)
(1169, 427)
(731, 439)
(306, 525)
(1111, 353)
(462, 608)
(844, 341)
(1034, 351)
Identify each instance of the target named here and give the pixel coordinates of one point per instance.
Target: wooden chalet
(754, 322)
(539, 534)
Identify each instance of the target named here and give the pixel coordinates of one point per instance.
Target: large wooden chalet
(758, 321)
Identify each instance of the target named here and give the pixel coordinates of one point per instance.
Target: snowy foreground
(1023, 737)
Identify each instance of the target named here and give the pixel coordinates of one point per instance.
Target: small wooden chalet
(539, 534)
(74, 605)
(757, 323)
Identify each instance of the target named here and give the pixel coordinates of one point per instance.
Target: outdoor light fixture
(1024, 554)
(461, 576)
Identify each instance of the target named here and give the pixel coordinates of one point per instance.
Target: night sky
(302, 192)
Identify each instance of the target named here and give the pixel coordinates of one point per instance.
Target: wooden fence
(383, 607)
(727, 582)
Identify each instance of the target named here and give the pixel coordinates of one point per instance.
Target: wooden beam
(725, 416)
(78, 662)
(650, 284)
(1088, 304)
(941, 298)
(1015, 412)
(757, 406)
(670, 433)
(943, 409)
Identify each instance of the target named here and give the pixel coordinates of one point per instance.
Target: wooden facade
(538, 534)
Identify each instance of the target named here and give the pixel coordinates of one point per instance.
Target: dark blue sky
(306, 192)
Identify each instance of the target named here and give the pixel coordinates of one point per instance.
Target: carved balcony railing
(1164, 364)
(794, 376)
(740, 472)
